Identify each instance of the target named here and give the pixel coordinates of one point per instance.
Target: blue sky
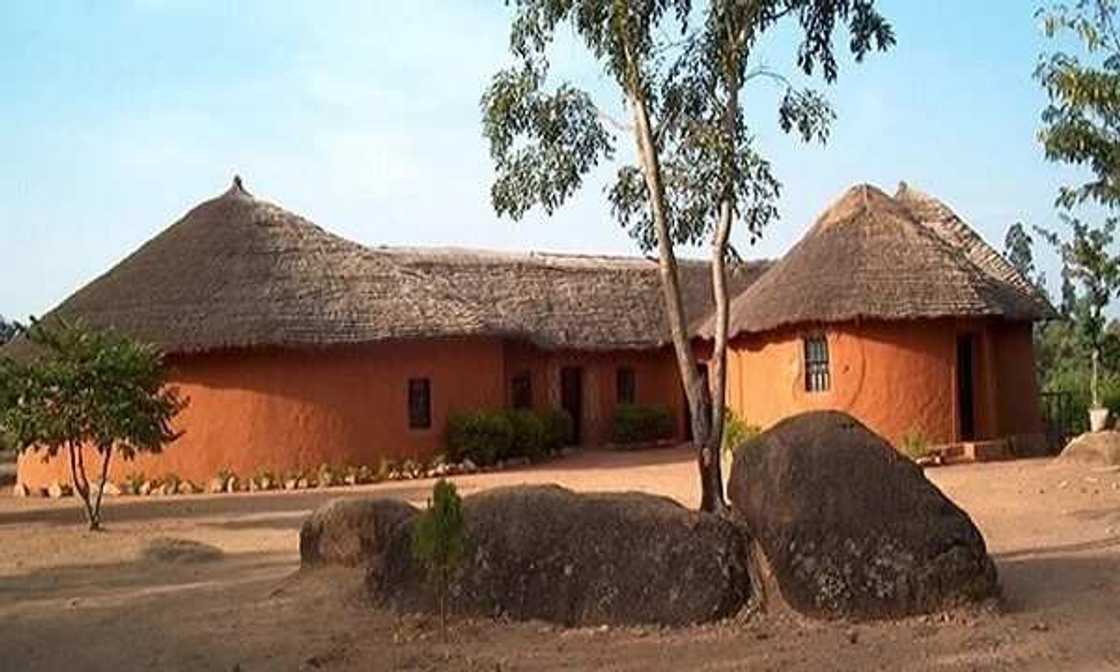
(117, 117)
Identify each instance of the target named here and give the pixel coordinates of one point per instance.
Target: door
(966, 375)
(571, 399)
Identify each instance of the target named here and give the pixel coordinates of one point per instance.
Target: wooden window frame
(419, 403)
(817, 363)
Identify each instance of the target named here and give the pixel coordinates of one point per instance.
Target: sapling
(439, 541)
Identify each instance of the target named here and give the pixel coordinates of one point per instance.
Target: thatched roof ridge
(238, 272)
(871, 256)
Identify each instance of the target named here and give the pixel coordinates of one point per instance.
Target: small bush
(640, 424)
(481, 437)
(736, 432)
(326, 476)
(915, 444)
(528, 435)
(133, 481)
(558, 428)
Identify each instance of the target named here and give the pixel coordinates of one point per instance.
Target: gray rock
(145, 489)
(543, 552)
(215, 485)
(1094, 449)
(850, 528)
(21, 490)
(355, 531)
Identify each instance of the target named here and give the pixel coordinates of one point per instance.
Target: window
(419, 403)
(816, 364)
(521, 390)
(626, 384)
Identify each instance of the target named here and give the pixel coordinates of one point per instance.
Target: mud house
(896, 311)
(297, 347)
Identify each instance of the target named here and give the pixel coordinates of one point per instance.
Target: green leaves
(87, 387)
(439, 539)
(1081, 123)
(542, 144)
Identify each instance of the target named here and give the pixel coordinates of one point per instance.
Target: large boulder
(354, 532)
(544, 552)
(1100, 449)
(851, 529)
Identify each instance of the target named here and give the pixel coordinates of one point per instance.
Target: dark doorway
(701, 369)
(965, 385)
(571, 399)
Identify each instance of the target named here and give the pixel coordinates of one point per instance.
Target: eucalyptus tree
(680, 71)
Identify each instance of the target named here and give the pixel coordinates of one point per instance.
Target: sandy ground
(74, 600)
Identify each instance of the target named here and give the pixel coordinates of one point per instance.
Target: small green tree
(87, 389)
(1088, 261)
(439, 541)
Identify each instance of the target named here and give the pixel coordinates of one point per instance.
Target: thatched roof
(871, 256)
(240, 272)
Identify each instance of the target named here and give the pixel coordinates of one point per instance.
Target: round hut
(893, 310)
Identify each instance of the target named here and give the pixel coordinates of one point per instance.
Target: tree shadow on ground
(133, 509)
(137, 579)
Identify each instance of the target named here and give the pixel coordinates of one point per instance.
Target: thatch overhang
(239, 272)
(871, 256)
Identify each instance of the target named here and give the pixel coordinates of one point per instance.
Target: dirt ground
(130, 599)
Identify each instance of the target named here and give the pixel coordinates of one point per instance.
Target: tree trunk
(81, 483)
(106, 454)
(711, 493)
(718, 364)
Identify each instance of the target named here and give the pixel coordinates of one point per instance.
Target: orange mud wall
(284, 410)
(655, 375)
(895, 377)
(289, 410)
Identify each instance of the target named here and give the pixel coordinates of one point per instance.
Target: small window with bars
(627, 385)
(817, 377)
(419, 403)
(521, 391)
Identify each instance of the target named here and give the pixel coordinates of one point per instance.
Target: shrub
(639, 424)
(133, 481)
(528, 435)
(481, 437)
(439, 540)
(915, 444)
(736, 432)
(558, 428)
(326, 476)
